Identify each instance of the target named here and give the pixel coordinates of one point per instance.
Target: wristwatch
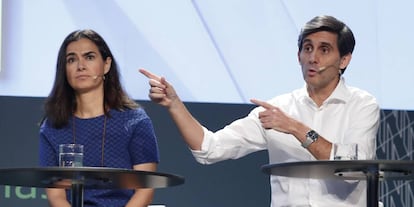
(311, 137)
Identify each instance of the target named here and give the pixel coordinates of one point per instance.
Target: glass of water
(70, 155)
(347, 151)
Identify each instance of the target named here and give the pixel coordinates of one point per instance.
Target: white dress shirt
(349, 115)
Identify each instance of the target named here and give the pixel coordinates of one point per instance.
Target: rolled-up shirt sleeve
(232, 142)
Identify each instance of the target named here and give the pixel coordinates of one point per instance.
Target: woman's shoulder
(129, 113)
(46, 125)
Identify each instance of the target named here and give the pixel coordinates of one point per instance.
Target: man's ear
(345, 60)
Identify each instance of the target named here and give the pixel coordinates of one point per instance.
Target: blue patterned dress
(129, 139)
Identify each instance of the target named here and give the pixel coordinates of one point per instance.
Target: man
(299, 126)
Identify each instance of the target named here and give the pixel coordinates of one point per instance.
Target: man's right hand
(161, 91)
(164, 94)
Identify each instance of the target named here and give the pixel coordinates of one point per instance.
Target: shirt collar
(340, 94)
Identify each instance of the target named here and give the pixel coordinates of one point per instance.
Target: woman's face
(85, 67)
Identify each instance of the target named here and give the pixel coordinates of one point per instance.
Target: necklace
(103, 137)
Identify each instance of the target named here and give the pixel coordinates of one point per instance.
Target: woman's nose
(81, 65)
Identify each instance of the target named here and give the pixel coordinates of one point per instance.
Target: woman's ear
(107, 65)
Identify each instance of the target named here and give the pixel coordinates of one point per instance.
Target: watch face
(313, 135)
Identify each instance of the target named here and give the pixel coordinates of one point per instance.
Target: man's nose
(313, 57)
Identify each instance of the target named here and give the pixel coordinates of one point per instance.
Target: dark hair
(345, 37)
(61, 103)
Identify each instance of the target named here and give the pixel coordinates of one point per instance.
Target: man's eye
(325, 50)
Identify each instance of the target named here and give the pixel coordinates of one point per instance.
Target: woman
(88, 106)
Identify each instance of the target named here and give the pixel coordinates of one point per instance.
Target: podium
(79, 178)
(372, 171)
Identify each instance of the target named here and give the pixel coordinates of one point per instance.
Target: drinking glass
(70, 155)
(347, 151)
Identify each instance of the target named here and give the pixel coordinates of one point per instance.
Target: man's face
(320, 59)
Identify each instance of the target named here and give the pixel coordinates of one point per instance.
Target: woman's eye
(70, 60)
(90, 57)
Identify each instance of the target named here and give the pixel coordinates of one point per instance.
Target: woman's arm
(57, 197)
(142, 196)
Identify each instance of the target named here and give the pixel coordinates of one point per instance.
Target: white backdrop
(211, 50)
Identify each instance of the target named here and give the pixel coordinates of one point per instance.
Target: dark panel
(396, 142)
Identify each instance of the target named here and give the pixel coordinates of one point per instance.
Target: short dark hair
(345, 37)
